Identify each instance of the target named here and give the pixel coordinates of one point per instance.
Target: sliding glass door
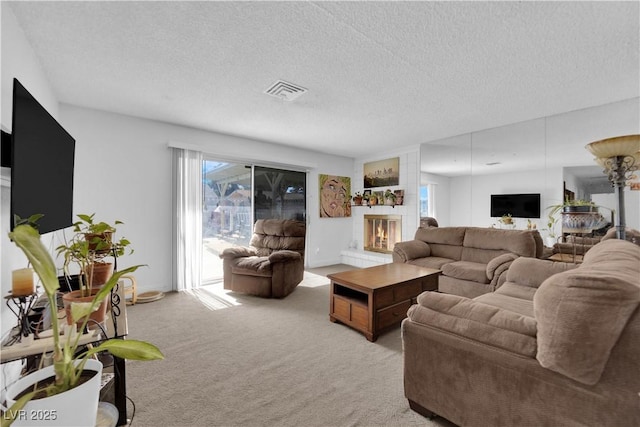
(234, 196)
(226, 216)
(280, 194)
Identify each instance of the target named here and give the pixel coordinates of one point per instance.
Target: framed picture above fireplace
(382, 173)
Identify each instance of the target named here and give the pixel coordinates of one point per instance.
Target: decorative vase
(389, 201)
(75, 407)
(76, 296)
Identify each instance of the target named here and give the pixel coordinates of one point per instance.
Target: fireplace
(382, 232)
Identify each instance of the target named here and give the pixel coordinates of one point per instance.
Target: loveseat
(273, 265)
(556, 345)
(473, 260)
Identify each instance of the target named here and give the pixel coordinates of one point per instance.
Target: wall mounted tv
(518, 205)
(42, 162)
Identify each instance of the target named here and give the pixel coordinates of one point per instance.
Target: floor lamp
(620, 157)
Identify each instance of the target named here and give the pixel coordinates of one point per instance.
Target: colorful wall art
(335, 192)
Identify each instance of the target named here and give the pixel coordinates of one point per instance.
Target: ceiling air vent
(285, 90)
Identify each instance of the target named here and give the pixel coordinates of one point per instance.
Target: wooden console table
(373, 299)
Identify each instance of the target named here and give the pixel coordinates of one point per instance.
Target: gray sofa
(556, 345)
(473, 260)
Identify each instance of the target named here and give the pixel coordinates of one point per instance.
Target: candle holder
(22, 305)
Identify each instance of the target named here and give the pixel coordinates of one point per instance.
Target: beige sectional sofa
(556, 345)
(473, 260)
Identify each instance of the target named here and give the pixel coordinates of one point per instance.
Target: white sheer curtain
(188, 227)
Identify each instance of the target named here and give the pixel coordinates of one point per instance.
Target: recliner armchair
(273, 265)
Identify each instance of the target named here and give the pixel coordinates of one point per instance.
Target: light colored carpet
(240, 360)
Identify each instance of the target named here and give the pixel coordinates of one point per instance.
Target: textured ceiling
(379, 75)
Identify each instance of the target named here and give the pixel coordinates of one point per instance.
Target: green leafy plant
(92, 242)
(551, 224)
(506, 219)
(390, 195)
(68, 361)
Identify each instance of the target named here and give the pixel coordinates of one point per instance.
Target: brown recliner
(273, 265)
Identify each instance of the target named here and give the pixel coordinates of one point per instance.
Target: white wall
(123, 171)
(18, 61)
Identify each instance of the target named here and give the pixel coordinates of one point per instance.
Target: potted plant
(578, 216)
(357, 199)
(551, 224)
(372, 200)
(69, 358)
(389, 198)
(90, 245)
(506, 219)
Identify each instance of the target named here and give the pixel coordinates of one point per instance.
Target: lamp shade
(626, 145)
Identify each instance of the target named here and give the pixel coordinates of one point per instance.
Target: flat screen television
(42, 162)
(518, 205)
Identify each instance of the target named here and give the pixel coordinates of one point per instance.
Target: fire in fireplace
(382, 232)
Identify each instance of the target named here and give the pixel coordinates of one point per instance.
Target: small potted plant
(506, 219)
(357, 199)
(389, 198)
(70, 359)
(89, 247)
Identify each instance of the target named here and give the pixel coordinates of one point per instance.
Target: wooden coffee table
(373, 299)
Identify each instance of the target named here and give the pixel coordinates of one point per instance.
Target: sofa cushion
(466, 270)
(476, 321)
(520, 242)
(480, 255)
(507, 301)
(532, 272)
(446, 236)
(582, 312)
(276, 234)
(431, 262)
(252, 266)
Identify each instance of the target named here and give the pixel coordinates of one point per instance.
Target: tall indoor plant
(69, 359)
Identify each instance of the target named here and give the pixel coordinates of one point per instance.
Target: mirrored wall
(544, 156)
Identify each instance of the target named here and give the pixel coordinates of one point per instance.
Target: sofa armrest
(532, 272)
(284, 256)
(499, 265)
(238, 252)
(411, 249)
(476, 321)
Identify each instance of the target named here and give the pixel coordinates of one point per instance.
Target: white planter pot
(551, 241)
(76, 407)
